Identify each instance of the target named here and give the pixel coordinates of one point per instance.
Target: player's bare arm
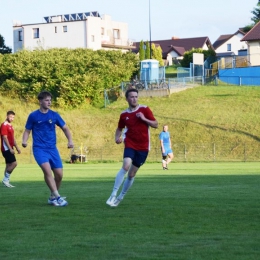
(118, 138)
(25, 137)
(152, 123)
(7, 143)
(67, 133)
(17, 148)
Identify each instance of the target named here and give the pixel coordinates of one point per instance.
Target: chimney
(175, 38)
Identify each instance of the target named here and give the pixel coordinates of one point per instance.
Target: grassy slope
(203, 114)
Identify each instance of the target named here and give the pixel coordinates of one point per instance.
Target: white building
(230, 44)
(252, 39)
(80, 30)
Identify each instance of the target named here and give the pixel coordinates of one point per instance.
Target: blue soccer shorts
(138, 157)
(167, 151)
(51, 156)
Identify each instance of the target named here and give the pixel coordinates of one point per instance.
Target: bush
(72, 76)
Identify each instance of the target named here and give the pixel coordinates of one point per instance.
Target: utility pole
(150, 30)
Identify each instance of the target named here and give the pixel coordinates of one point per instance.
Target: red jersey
(136, 134)
(7, 129)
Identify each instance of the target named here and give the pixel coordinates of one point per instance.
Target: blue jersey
(43, 128)
(165, 137)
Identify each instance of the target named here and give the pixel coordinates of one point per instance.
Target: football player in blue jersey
(42, 124)
(166, 147)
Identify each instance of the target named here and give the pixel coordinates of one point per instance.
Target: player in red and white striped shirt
(133, 130)
(8, 144)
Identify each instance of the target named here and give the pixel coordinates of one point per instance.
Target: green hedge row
(72, 76)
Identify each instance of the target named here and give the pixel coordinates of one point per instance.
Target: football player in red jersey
(133, 130)
(7, 147)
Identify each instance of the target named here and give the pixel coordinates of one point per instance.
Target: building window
(20, 35)
(36, 33)
(116, 34)
(65, 28)
(92, 38)
(102, 31)
(55, 29)
(228, 47)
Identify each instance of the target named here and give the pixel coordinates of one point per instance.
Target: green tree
(157, 54)
(74, 77)
(147, 50)
(188, 56)
(256, 13)
(3, 48)
(141, 51)
(247, 28)
(255, 18)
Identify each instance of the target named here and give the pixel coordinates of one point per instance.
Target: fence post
(31, 154)
(214, 152)
(105, 98)
(244, 152)
(185, 157)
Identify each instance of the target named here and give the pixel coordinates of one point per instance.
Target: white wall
(205, 47)
(254, 53)
(174, 54)
(80, 34)
(235, 42)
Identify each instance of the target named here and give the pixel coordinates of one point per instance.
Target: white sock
(7, 177)
(127, 185)
(55, 194)
(118, 181)
(164, 163)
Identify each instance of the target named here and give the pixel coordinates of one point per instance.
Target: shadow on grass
(255, 137)
(161, 217)
(223, 95)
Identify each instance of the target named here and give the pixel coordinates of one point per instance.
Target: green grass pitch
(192, 211)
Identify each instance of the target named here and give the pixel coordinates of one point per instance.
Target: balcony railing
(115, 42)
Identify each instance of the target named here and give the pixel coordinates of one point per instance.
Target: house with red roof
(229, 45)
(252, 39)
(174, 48)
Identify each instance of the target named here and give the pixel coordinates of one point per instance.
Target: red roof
(253, 34)
(179, 45)
(221, 39)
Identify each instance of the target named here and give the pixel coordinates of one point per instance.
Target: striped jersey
(7, 129)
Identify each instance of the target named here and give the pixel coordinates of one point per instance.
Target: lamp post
(150, 30)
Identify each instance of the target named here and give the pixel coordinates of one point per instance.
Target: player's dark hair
(130, 90)
(44, 94)
(10, 112)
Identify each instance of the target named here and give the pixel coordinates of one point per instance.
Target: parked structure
(230, 45)
(78, 30)
(252, 39)
(173, 49)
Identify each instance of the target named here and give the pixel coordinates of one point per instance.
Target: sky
(164, 19)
